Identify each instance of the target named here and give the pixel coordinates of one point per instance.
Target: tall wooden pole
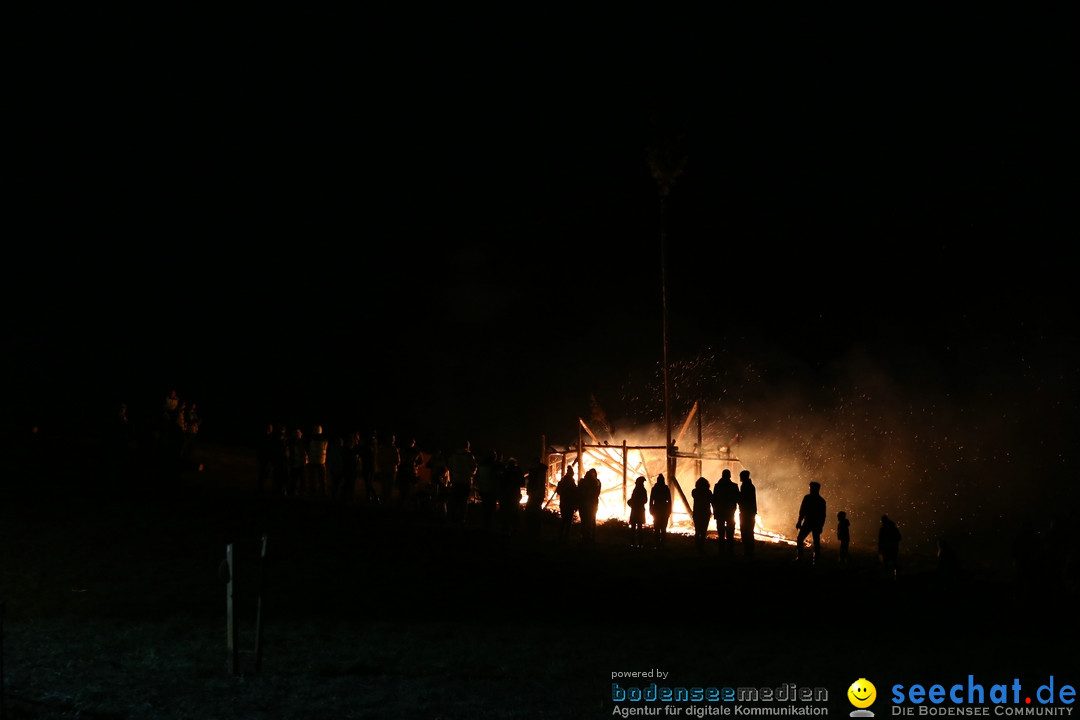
(666, 165)
(670, 466)
(624, 477)
(699, 448)
(580, 451)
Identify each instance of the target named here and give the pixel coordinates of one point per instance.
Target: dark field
(114, 607)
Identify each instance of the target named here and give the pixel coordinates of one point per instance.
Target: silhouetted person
(747, 512)
(335, 466)
(843, 534)
(171, 406)
(318, 445)
(350, 467)
(406, 474)
(725, 500)
(279, 461)
(171, 434)
(588, 505)
(702, 501)
(169, 431)
(511, 480)
(264, 454)
(660, 508)
(440, 484)
(639, 498)
(811, 521)
(297, 463)
(190, 427)
(423, 491)
(487, 487)
(462, 469)
(367, 468)
(536, 489)
(888, 546)
(387, 462)
(567, 490)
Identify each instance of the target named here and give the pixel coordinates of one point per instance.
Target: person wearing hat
(811, 520)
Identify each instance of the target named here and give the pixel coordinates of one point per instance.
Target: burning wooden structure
(619, 465)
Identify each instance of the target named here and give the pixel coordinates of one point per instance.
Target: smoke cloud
(968, 461)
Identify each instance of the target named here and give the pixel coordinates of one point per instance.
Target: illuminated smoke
(941, 464)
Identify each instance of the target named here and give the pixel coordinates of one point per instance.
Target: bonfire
(618, 464)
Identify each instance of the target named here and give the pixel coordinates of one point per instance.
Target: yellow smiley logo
(862, 693)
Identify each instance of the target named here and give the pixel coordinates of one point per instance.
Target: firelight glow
(617, 466)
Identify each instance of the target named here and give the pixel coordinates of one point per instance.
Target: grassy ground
(114, 607)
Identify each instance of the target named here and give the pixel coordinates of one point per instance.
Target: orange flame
(617, 467)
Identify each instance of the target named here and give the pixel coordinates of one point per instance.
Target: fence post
(2, 713)
(258, 606)
(231, 625)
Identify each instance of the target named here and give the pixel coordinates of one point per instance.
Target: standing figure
(350, 467)
(811, 521)
(725, 498)
(191, 433)
(843, 534)
(406, 474)
(747, 512)
(387, 462)
(335, 466)
(567, 490)
(279, 458)
(588, 505)
(368, 451)
(178, 436)
(639, 498)
(264, 459)
(297, 463)
(888, 546)
(318, 446)
(660, 508)
(536, 489)
(462, 468)
(487, 487)
(511, 480)
(702, 497)
(440, 484)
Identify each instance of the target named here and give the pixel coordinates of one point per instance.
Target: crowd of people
(508, 498)
(162, 442)
(378, 470)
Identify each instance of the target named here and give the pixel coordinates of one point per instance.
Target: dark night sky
(415, 227)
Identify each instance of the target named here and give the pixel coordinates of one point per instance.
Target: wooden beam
(693, 411)
(586, 427)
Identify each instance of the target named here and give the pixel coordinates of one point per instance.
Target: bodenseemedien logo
(862, 695)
